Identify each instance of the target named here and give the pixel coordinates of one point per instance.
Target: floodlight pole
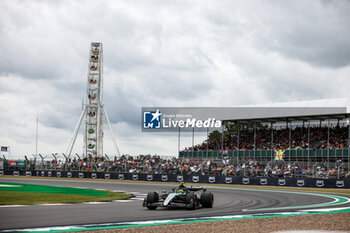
(271, 141)
(36, 136)
(222, 140)
(192, 142)
(308, 147)
(178, 143)
(254, 141)
(328, 147)
(239, 130)
(207, 141)
(290, 139)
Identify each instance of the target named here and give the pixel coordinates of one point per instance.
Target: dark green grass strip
(49, 189)
(29, 194)
(31, 198)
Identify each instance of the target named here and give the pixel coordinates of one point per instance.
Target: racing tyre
(152, 197)
(207, 199)
(191, 200)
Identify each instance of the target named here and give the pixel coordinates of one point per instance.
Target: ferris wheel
(93, 109)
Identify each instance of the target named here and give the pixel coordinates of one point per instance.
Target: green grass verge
(31, 198)
(29, 194)
(5, 186)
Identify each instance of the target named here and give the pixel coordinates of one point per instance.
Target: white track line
(94, 203)
(53, 204)
(5, 206)
(137, 198)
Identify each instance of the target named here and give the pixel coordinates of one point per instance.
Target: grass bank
(28, 194)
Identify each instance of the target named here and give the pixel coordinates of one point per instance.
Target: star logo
(152, 119)
(156, 115)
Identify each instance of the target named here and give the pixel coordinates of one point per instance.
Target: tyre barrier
(210, 179)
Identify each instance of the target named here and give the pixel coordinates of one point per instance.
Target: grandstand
(296, 139)
(308, 132)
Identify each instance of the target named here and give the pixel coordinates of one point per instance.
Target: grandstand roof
(291, 111)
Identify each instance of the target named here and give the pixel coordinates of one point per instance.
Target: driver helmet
(182, 185)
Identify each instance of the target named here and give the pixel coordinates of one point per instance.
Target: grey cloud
(156, 53)
(313, 32)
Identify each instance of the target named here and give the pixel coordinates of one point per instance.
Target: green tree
(214, 136)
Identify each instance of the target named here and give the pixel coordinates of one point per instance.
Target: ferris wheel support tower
(93, 110)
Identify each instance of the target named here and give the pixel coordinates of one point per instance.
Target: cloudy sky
(161, 53)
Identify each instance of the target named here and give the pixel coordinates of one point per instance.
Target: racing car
(180, 197)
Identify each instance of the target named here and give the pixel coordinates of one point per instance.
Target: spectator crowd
(154, 164)
(296, 138)
(299, 139)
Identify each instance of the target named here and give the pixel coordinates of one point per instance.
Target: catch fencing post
(271, 141)
(254, 141)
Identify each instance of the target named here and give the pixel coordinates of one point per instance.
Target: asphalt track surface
(227, 202)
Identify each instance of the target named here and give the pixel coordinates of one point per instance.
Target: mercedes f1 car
(180, 198)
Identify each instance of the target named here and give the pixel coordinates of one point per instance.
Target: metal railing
(294, 153)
